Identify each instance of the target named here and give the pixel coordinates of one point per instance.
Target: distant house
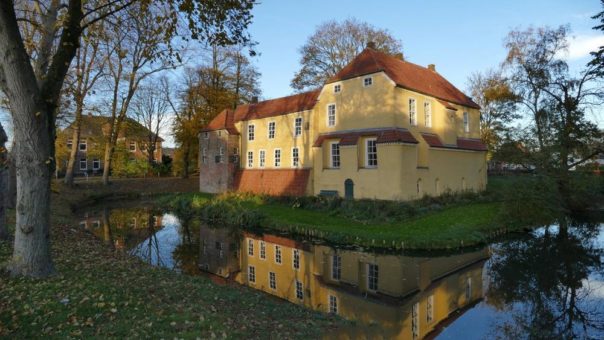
(133, 140)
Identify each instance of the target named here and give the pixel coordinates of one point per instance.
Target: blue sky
(460, 37)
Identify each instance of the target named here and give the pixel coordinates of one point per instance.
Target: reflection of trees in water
(542, 281)
(149, 250)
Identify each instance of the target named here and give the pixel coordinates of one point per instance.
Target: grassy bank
(450, 221)
(99, 293)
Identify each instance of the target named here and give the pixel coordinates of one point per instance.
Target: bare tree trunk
(107, 162)
(3, 184)
(75, 143)
(186, 159)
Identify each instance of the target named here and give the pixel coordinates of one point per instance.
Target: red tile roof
(472, 144)
(387, 135)
(447, 105)
(404, 74)
(432, 140)
(223, 121)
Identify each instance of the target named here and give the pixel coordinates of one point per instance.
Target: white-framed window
(298, 126)
(333, 304)
(69, 143)
(299, 290)
(261, 158)
(295, 157)
(367, 81)
(415, 320)
(251, 132)
(334, 154)
(272, 280)
(271, 130)
(96, 164)
(466, 122)
(251, 274)
(371, 160)
(430, 309)
(262, 250)
(96, 224)
(277, 254)
(468, 288)
(132, 146)
(331, 115)
(83, 146)
(83, 164)
(296, 259)
(250, 159)
(250, 247)
(337, 88)
(372, 276)
(428, 114)
(206, 135)
(277, 158)
(412, 112)
(204, 155)
(336, 267)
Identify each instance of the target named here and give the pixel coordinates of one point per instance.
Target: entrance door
(348, 189)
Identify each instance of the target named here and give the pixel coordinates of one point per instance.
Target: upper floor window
(83, 164)
(372, 276)
(271, 130)
(331, 115)
(298, 126)
(69, 143)
(132, 146)
(412, 112)
(336, 267)
(428, 114)
(337, 88)
(295, 157)
(83, 145)
(367, 81)
(261, 158)
(335, 154)
(204, 155)
(466, 122)
(96, 164)
(277, 158)
(206, 135)
(250, 132)
(371, 153)
(250, 159)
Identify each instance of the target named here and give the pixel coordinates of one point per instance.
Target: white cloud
(581, 45)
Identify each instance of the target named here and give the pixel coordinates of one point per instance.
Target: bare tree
(333, 45)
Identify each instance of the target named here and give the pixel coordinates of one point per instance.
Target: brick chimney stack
(432, 67)
(371, 45)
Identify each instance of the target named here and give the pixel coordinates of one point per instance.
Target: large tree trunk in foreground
(3, 184)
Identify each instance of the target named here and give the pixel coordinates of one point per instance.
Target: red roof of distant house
(472, 144)
(388, 135)
(404, 74)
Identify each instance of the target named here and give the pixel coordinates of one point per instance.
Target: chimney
(89, 114)
(432, 67)
(371, 45)
(399, 56)
(255, 100)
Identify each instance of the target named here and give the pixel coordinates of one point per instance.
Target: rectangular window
(250, 132)
(466, 122)
(412, 112)
(83, 145)
(295, 157)
(371, 153)
(250, 159)
(299, 290)
(428, 114)
(336, 267)
(96, 164)
(262, 158)
(262, 250)
(335, 154)
(206, 135)
(278, 254)
(430, 309)
(250, 247)
(296, 259)
(272, 280)
(69, 143)
(277, 158)
(372, 276)
(331, 115)
(235, 151)
(271, 130)
(337, 88)
(367, 81)
(132, 146)
(333, 304)
(298, 127)
(415, 320)
(83, 164)
(204, 155)
(251, 274)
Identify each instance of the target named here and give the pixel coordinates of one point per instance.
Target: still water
(545, 284)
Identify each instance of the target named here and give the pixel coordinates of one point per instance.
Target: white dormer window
(367, 81)
(466, 122)
(337, 88)
(412, 112)
(250, 132)
(428, 114)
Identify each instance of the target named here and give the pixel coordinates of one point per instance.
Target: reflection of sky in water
(157, 249)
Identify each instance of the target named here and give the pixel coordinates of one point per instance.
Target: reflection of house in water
(407, 296)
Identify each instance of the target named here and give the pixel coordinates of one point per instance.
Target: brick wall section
(218, 177)
(287, 182)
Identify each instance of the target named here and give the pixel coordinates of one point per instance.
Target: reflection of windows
(333, 304)
(468, 288)
(372, 276)
(299, 290)
(250, 159)
(278, 254)
(430, 309)
(272, 280)
(295, 157)
(262, 250)
(251, 274)
(415, 320)
(261, 158)
(250, 247)
(83, 164)
(296, 259)
(277, 158)
(336, 267)
(335, 154)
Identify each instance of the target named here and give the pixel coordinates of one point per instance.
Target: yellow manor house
(381, 128)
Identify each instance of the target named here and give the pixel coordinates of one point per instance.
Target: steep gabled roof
(405, 74)
(95, 126)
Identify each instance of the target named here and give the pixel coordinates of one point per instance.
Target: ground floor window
(295, 157)
(262, 158)
(333, 304)
(335, 155)
(277, 158)
(299, 290)
(83, 164)
(371, 153)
